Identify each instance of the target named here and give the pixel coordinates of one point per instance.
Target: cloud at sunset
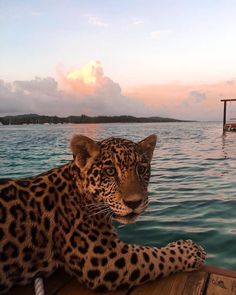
(186, 101)
(87, 90)
(81, 90)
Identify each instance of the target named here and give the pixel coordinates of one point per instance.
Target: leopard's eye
(110, 171)
(141, 169)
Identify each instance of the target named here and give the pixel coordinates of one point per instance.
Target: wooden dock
(230, 126)
(208, 281)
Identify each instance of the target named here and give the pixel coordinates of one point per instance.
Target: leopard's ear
(84, 149)
(147, 145)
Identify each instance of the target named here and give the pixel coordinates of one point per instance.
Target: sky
(107, 57)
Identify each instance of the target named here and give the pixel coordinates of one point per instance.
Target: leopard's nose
(133, 204)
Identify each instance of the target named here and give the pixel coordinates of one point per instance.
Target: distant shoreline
(83, 119)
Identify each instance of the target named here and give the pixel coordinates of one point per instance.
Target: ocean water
(192, 191)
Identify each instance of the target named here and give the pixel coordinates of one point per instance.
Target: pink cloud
(193, 102)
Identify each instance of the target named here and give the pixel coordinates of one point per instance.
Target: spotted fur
(63, 218)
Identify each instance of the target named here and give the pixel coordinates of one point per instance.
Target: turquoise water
(192, 188)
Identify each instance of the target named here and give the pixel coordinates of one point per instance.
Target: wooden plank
(26, 290)
(195, 283)
(180, 284)
(220, 271)
(52, 284)
(75, 288)
(232, 99)
(56, 282)
(157, 287)
(221, 285)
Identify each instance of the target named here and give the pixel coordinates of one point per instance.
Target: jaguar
(63, 218)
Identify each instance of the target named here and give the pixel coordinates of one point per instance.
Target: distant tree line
(38, 119)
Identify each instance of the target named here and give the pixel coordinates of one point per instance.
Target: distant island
(40, 119)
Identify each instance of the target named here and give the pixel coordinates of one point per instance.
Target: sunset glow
(87, 74)
(156, 58)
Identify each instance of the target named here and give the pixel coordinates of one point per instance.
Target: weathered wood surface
(208, 281)
(221, 285)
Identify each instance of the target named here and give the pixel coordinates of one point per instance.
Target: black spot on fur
(112, 254)
(45, 264)
(46, 223)
(48, 203)
(154, 254)
(134, 258)
(162, 259)
(113, 244)
(11, 250)
(1, 234)
(145, 278)
(24, 197)
(42, 185)
(124, 250)
(104, 261)
(101, 288)
(51, 190)
(62, 187)
(172, 260)
(3, 257)
(92, 274)
(104, 242)
(34, 231)
(161, 266)
(94, 261)
(8, 194)
(32, 216)
(134, 275)
(98, 250)
(146, 257)
(92, 238)
(39, 193)
(58, 181)
(151, 266)
(12, 228)
(181, 251)
(120, 263)
(74, 239)
(13, 270)
(111, 276)
(18, 213)
(3, 213)
(83, 247)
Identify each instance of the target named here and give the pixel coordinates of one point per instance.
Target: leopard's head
(115, 173)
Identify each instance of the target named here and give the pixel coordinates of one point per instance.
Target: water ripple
(192, 189)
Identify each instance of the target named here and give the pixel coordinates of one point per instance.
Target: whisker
(111, 216)
(107, 216)
(94, 209)
(101, 211)
(93, 205)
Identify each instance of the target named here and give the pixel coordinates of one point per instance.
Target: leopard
(64, 218)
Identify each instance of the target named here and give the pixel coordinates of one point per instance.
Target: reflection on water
(192, 190)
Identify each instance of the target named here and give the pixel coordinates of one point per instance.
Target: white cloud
(137, 22)
(100, 96)
(97, 21)
(197, 96)
(158, 34)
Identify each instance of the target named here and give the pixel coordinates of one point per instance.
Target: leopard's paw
(191, 256)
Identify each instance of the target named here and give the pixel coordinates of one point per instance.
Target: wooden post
(224, 115)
